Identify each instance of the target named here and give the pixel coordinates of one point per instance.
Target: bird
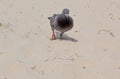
(62, 22)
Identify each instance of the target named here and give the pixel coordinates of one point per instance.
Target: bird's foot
(53, 37)
(61, 38)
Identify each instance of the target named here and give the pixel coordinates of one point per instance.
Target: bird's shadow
(65, 37)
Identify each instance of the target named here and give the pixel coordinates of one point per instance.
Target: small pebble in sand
(48, 46)
(119, 18)
(112, 34)
(118, 67)
(33, 68)
(36, 33)
(84, 67)
(0, 24)
(105, 50)
(20, 12)
(74, 15)
(1, 53)
(77, 55)
(115, 68)
(5, 77)
(42, 72)
(49, 51)
(76, 31)
(111, 16)
(88, 6)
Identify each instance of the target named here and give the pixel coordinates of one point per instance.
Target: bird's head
(65, 11)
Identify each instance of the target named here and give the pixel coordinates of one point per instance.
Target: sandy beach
(91, 50)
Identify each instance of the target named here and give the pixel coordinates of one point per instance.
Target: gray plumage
(61, 22)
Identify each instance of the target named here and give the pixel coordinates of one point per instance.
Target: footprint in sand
(107, 31)
(6, 26)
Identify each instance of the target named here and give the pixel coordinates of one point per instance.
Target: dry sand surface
(91, 50)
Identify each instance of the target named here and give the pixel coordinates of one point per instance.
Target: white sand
(91, 50)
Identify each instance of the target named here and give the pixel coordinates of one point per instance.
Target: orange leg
(53, 35)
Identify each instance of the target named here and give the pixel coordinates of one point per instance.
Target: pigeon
(61, 22)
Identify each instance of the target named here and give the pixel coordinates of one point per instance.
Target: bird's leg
(61, 36)
(53, 35)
